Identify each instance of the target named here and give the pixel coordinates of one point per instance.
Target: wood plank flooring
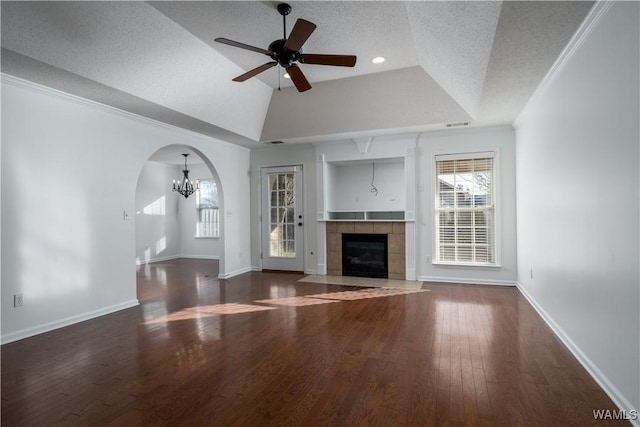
(263, 349)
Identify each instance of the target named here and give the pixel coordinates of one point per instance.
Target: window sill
(206, 237)
(464, 265)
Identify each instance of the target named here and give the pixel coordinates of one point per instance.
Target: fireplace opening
(365, 255)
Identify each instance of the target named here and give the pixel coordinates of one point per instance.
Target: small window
(208, 224)
(465, 209)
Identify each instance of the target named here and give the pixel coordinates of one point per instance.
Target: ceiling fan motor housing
(283, 56)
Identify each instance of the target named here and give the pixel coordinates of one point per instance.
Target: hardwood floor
(264, 349)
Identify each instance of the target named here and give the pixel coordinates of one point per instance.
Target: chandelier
(186, 188)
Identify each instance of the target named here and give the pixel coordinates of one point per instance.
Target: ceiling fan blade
(298, 79)
(242, 45)
(338, 60)
(255, 71)
(300, 33)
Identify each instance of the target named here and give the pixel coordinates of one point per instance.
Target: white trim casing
(618, 398)
(169, 258)
(465, 281)
(493, 152)
(235, 273)
(16, 81)
(590, 22)
(40, 329)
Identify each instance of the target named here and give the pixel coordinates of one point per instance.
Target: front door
(282, 220)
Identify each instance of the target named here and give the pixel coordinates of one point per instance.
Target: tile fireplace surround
(396, 244)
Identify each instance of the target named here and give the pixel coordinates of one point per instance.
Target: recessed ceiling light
(286, 76)
(378, 59)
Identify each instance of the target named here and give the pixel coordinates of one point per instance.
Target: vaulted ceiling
(446, 62)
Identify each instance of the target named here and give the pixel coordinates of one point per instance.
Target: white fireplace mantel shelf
(360, 215)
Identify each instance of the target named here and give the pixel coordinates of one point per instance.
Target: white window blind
(208, 224)
(465, 209)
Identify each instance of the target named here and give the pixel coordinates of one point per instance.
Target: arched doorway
(167, 224)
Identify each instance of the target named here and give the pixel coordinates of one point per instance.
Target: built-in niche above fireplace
(365, 255)
(365, 190)
(369, 189)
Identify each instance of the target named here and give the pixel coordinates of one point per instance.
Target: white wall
(66, 247)
(190, 246)
(578, 199)
(351, 186)
(333, 156)
(287, 155)
(156, 214)
(501, 140)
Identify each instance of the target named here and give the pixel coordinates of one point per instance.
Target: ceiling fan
(288, 51)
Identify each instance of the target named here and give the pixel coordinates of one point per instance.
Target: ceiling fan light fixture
(286, 76)
(378, 60)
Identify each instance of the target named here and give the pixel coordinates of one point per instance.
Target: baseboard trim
(159, 259)
(466, 281)
(322, 270)
(213, 257)
(47, 327)
(618, 398)
(172, 257)
(235, 273)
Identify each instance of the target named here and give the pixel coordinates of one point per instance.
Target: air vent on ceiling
(275, 142)
(453, 125)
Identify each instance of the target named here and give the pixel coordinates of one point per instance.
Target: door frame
(299, 262)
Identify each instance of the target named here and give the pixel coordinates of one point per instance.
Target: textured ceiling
(446, 62)
(368, 29)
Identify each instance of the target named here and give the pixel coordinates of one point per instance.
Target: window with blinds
(465, 209)
(208, 224)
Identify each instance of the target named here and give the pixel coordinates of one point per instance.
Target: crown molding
(36, 87)
(599, 9)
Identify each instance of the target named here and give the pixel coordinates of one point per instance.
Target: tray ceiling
(446, 62)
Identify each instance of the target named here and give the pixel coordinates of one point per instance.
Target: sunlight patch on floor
(361, 281)
(295, 301)
(208, 311)
(330, 297)
(192, 313)
(367, 293)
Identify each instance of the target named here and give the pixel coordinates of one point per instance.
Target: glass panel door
(282, 230)
(282, 219)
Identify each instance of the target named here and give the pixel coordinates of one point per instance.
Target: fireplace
(365, 255)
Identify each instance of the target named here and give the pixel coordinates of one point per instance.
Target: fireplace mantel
(345, 186)
(366, 216)
(395, 232)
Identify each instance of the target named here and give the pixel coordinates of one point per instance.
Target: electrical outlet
(18, 300)
(428, 258)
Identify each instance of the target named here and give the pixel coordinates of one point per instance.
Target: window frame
(465, 155)
(199, 211)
